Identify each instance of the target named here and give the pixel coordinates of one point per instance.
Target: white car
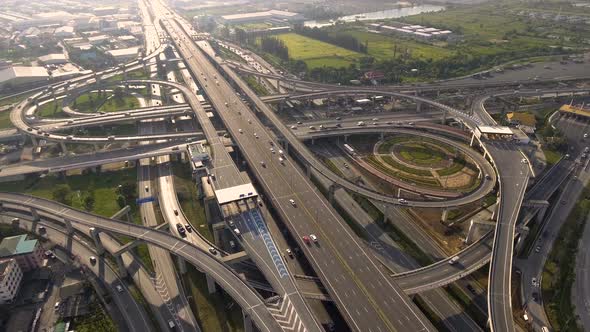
(119, 288)
(313, 237)
(292, 202)
(240, 131)
(293, 127)
(524, 161)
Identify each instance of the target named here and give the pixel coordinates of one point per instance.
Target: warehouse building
(17, 75)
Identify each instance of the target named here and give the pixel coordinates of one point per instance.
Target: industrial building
(413, 31)
(53, 59)
(18, 75)
(124, 53)
(27, 253)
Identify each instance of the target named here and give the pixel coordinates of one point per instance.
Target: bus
(349, 149)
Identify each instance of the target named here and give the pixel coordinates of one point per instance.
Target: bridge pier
(472, 140)
(308, 170)
(524, 232)
(181, 265)
(69, 226)
(210, 284)
(444, 117)
(35, 214)
(331, 191)
(63, 147)
(495, 209)
(121, 266)
(94, 234)
(445, 215)
(34, 141)
(346, 138)
(312, 141)
(418, 106)
(382, 135)
(542, 212)
(247, 321)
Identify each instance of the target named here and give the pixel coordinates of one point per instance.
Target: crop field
(316, 53)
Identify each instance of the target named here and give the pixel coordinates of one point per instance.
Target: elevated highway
(366, 308)
(231, 282)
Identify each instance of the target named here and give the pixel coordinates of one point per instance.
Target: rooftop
(49, 57)
(16, 72)
(267, 13)
(497, 130)
(16, 245)
(235, 193)
(523, 118)
(577, 110)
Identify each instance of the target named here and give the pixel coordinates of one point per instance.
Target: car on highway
(453, 260)
(289, 252)
(263, 164)
(272, 150)
(535, 282)
(237, 232)
(313, 237)
(213, 251)
(147, 189)
(56, 305)
(338, 118)
(402, 201)
(92, 260)
(292, 202)
(299, 122)
(171, 324)
(524, 161)
(312, 127)
(188, 228)
(306, 239)
(585, 135)
(119, 288)
(538, 249)
(256, 135)
(293, 127)
(180, 230)
(70, 137)
(175, 212)
(346, 165)
(471, 289)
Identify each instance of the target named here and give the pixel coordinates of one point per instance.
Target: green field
(421, 155)
(114, 105)
(88, 102)
(381, 47)
(316, 53)
(5, 120)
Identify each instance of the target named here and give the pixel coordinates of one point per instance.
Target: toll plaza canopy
(493, 132)
(235, 193)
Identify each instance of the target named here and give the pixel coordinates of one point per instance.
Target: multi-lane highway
(372, 302)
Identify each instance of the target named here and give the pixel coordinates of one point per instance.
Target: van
(453, 260)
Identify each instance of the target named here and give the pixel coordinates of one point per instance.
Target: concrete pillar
(121, 266)
(382, 135)
(308, 170)
(247, 321)
(331, 191)
(444, 117)
(1, 207)
(69, 226)
(495, 212)
(181, 264)
(541, 214)
(485, 154)
(418, 106)
(210, 284)
(286, 144)
(445, 215)
(313, 141)
(346, 138)
(63, 147)
(35, 214)
(524, 232)
(94, 234)
(472, 139)
(470, 233)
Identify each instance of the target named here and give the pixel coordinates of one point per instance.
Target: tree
(128, 190)
(89, 202)
(62, 193)
(121, 201)
(118, 93)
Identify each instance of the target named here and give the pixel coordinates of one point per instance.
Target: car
(263, 164)
(240, 131)
(232, 244)
(188, 228)
(46, 134)
(584, 156)
(471, 289)
(346, 165)
(410, 123)
(289, 252)
(256, 135)
(180, 229)
(176, 148)
(237, 232)
(402, 201)
(119, 288)
(213, 251)
(453, 260)
(282, 160)
(587, 149)
(171, 324)
(313, 237)
(488, 177)
(538, 249)
(175, 212)
(111, 138)
(147, 189)
(293, 127)
(585, 135)
(231, 223)
(249, 121)
(92, 260)
(534, 282)
(375, 119)
(56, 305)
(312, 127)
(15, 219)
(338, 118)
(338, 125)
(306, 239)
(70, 137)
(524, 161)
(292, 202)
(535, 296)
(299, 122)
(272, 150)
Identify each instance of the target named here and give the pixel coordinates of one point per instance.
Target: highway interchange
(368, 298)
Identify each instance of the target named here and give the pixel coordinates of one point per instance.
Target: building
(100, 39)
(579, 111)
(523, 120)
(16, 75)
(11, 276)
(278, 15)
(102, 11)
(124, 53)
(412, 31)
(53, 59)
(520, 137)
(27, 253)
(64, 32)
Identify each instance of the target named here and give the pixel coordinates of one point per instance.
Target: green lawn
(186, 190)
(420, 154)
(51, 110)
(551, 156)
(5, 120)
(139, 74)
(381, 47)
(316, 53)
(88, 102)
(214, 312)
(125, 103)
